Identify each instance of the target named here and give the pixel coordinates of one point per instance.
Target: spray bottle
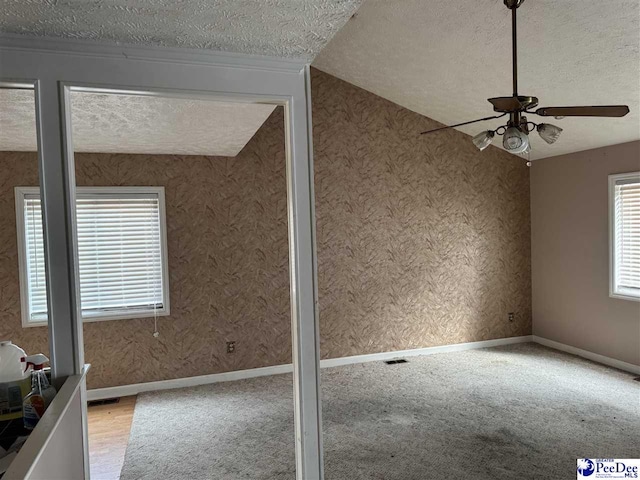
(15, 383)
(36, 402)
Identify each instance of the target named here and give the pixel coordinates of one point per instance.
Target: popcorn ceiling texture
(280, 28)
(138, 124)
(419, 244)
(444, 58)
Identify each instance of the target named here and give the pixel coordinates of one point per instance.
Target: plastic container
(15, 382)
(42, 393)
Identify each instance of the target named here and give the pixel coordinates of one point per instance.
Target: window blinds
(627, 236)
(120, 254)
(37, 289)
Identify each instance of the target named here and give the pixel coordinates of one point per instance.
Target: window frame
(22, 192)
(614, 291)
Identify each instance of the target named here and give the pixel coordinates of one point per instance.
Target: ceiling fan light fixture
(483, 139)
(549, 133)
(516, 132)
(515, 141)
(526, 151)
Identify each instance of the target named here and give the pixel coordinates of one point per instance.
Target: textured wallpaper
(228, 263)
(16, 169)
(422, 241)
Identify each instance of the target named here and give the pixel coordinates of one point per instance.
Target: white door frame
(57, 66)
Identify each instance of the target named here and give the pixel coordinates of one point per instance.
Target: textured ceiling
(444, 58)
(138, 124)
(281, 28)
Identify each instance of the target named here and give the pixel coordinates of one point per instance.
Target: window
(121, 248)
(624, 220)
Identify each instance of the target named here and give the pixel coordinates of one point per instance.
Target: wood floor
(109, 427)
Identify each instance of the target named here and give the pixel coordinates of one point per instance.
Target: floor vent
(106, 401)
(393, 362)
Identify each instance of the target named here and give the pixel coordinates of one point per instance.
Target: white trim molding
(456, 347)
(56, 68)
(148, 53)
(117, 192)
(134, 389)
(595, 357)
(615, 290)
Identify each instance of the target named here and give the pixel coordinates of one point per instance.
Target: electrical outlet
(512, 316)
(231, 347)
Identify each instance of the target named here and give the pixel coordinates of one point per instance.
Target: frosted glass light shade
(527, 150)
(515, 141)
(483, 139)
(549, 133)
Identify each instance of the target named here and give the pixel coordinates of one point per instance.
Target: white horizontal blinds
(119, 252)
(35, 258)
(119, 249)
(627, 198)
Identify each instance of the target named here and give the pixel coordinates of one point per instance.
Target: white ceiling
(138, 124)
(440, 58)
(282, 28)
(444, 58)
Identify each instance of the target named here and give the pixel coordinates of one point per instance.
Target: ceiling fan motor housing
(513, 104)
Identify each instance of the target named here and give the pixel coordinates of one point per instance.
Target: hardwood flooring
(109, 427)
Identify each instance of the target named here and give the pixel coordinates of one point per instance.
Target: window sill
(138, 314)
(625, 296)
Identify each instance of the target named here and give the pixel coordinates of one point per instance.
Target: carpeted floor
(516, 412)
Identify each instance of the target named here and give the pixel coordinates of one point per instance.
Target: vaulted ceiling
(129, 124)
(444, 58)
(440, 58)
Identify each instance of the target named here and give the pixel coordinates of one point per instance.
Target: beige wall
(570, 253)
(422, 241)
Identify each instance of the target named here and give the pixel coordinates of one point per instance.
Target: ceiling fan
(516, 132)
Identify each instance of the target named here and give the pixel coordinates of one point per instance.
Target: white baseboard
(136, 388)
(456, 347)
(611, 362)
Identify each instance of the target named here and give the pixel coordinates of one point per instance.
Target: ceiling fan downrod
(513, 6)
(516, 132)
(515, 116)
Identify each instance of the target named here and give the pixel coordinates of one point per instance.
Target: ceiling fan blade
(597, 111)
(463, 123)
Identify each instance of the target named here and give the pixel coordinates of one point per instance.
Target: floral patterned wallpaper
(422, 241)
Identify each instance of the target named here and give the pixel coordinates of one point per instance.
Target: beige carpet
(516, 412)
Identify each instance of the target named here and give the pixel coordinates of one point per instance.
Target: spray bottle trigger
(35, 361)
